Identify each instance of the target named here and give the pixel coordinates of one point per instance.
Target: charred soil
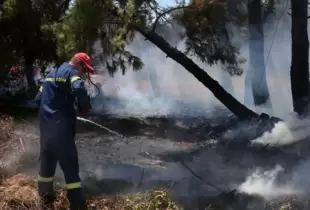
(172, 162)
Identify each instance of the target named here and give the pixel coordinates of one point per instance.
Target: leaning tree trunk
(300, 56)
(218, 91)
(257, 70)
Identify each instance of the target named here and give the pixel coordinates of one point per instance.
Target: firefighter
(60, 90)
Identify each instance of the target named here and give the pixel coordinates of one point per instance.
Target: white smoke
(137, 92)
(263, 183)
(177, 84)
(287, 136)
(300, 176)
(285, 133)
(135, 96)
(161, 87)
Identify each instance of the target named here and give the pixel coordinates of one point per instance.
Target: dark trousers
(57, 145)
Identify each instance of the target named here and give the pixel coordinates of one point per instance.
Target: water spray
(100, 126)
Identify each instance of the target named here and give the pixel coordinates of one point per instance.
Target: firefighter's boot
(76, 199)
(47, 195)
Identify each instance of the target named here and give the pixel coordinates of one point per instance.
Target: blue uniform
(56, 97)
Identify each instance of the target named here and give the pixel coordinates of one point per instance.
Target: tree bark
(29, 60)
(153, 78)
(218, 91)
(300, 56)
(257, 69)
(154, 82)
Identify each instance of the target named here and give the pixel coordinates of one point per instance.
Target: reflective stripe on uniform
(59, 79)
(74, 78)
(72, 186)
(41, 89)
(55, 79)
(45, 179)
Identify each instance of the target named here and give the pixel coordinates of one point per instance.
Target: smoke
(263, 183)
(292, 137)
(164, 87)
(285, 133)
(300, 176)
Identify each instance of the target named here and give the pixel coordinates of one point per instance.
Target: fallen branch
(291, 15)
(199, 177)
(176, 183)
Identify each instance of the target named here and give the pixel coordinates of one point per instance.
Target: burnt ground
(201, 159)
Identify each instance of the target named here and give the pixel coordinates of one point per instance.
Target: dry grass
(19, 192)
(10, 143)
(290, 203)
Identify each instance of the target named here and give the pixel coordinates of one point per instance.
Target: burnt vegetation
(36, 33)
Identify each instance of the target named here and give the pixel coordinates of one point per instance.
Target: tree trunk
(219, 92)
(300, 56)
(154, 82)
(257, 70)
(29, 70)
(153, 78)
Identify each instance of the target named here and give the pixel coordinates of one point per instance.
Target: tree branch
(65, 5)
(291, 14)
(199, 177)
(165, 13)
(218, 91)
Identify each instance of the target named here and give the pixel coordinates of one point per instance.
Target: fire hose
(100, 126)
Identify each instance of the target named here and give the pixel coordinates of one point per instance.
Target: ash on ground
(202, 160)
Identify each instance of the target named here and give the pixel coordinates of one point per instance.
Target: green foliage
(206, 34)
(9, 37)
(26, 30)
(8, 9)
(90, 21)
(205, 22)
(50, 31)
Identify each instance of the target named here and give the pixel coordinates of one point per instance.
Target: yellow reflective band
(41, 89)
(74, 78)
(57, 79)
(72, 186)
(45, 179)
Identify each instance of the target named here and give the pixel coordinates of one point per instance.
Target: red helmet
(86, 60)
